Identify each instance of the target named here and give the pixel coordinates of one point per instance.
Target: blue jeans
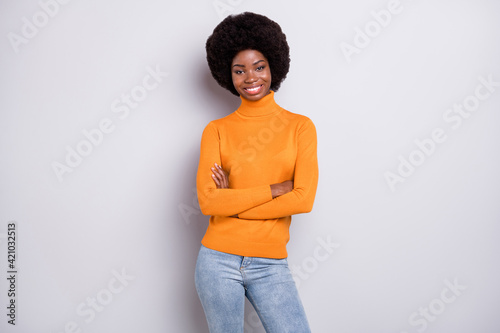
(223, 280)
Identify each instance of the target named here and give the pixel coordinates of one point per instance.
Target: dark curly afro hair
(247, 31)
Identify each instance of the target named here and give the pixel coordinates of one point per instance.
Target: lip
(254, 90)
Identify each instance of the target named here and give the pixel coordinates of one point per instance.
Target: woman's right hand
(281, 188)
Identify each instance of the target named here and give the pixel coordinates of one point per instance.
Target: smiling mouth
(254, 90)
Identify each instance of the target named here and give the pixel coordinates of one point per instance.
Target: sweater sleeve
(301, 198)
(223, 202)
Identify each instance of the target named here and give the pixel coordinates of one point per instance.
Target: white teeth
(253, 89)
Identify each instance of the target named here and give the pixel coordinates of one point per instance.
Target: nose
(251, 77)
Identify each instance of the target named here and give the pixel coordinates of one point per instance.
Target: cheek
(268, 75)
(237, 78)
(235, 81)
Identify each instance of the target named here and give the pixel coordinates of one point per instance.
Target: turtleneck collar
(263, 107)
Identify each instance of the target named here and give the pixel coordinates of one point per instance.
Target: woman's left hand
(220, 177)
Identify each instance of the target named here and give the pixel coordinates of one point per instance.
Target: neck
(262, 107)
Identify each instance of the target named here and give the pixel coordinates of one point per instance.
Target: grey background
(130, 205)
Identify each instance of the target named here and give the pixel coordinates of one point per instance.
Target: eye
(261, 68)
(238, 72)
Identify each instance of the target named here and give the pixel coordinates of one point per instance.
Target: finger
(219, 169)
(221, 175)
(221, 182)
(218, 174)
(225, 179)
(224, 183)
(216, 181)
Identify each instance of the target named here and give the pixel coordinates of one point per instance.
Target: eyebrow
(255, 63)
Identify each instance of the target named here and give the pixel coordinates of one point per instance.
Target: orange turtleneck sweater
(257, 145)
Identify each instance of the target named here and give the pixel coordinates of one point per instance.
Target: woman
(258, 166)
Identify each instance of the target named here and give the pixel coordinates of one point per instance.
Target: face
(251, 75)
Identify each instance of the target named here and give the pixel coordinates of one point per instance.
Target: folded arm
(221, 179)
(289, 197)
(222, 201)
(301, 198)
(261, 202)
